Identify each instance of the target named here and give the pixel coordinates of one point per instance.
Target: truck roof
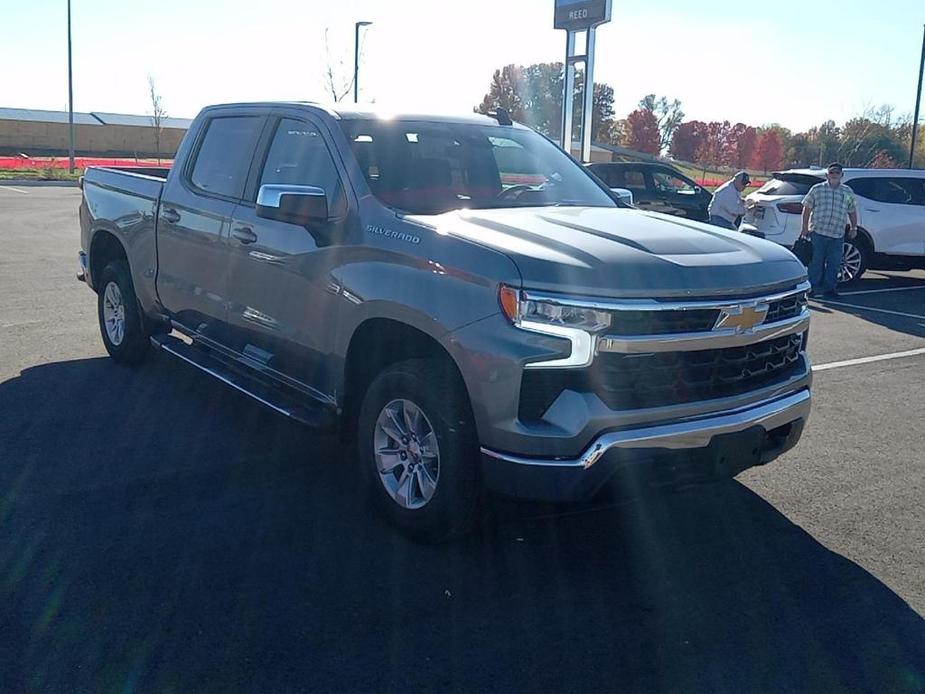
(371, 112)
(819, 172)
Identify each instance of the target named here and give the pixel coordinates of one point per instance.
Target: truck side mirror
(302, 205)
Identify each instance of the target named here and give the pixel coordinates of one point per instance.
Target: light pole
(918, 101)
(356, 58)
(70, 94)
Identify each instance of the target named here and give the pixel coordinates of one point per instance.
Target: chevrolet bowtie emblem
(741, 318)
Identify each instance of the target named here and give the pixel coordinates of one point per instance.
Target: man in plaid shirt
(828, 208)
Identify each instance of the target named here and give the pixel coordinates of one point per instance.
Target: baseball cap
(743, 176)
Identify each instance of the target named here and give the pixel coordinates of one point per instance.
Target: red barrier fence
(714, 182)
(79, 162)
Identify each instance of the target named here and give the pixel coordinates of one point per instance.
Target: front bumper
(720, 444)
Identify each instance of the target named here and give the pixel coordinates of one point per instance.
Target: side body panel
(124, 205)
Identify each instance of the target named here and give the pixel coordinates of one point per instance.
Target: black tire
(435, 387)
(860, 253)
(131, 346)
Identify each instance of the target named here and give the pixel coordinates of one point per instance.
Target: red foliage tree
(883, 160)
(713, 147)
(687, 141)
(642, 132)
(740, 144)
(770, 151)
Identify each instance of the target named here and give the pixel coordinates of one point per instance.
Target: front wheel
(418, 449)
(855, 259)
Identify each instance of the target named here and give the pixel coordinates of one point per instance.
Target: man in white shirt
(727, 205)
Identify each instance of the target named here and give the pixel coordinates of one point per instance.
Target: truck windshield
(432, 167)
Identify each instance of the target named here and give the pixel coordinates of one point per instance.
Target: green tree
(863, 140)
(668, 115)
(799, 152)
(533, 96)
(506, 91)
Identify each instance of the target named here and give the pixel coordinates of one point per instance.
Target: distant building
(45, 133)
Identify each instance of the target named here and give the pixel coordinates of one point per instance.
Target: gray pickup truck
(460, 297)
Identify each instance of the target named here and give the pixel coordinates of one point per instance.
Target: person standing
(727, 204)
(828, 209)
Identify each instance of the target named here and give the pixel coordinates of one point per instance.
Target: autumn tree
(687, 141)
(883, 160)
(739, 148)
(714, 143)
(769, 153)
(642, 133)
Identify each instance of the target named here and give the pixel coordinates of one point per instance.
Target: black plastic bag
(803, 249)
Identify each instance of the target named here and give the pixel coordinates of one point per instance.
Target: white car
(891, 216)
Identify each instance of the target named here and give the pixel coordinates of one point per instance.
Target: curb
(33, 183)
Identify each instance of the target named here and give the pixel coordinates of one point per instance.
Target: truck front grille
(634, 381)
(665, 322)
(629, 322)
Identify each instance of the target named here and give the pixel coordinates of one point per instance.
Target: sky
(792, 62)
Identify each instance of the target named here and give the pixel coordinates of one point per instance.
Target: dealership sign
(578, 15)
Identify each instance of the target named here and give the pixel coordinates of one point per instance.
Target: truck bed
(138, 180)
(123, 202)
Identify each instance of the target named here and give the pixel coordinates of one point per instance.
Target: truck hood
(622, 252)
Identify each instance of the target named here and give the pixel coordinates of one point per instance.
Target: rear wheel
(119, 316)
(855, 259)
(418, 449)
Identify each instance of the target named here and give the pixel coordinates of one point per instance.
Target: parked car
(463, 325)
(891, 216)
(656, 188)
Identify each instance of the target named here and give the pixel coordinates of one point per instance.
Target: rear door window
(225, 154)
(896, 191)
(789, 184)
(606, 173)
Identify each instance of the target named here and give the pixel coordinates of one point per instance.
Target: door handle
(872, 209)
(170, 215)
(245, 235)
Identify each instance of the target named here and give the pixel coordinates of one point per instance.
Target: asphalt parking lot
(159, 532)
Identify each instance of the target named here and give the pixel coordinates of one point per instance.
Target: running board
(290, 404)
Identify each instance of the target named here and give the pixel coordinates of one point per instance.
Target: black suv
(656, 187)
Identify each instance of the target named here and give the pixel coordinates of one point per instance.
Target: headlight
(548, 316)
(520, 308)
(563, 314)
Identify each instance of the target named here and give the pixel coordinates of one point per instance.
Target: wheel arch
(376, 344)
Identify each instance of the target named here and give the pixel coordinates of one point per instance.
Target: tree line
(533, 95)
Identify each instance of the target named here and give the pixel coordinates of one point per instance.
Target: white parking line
(4, 326)
(826, 302)
(877, 291)
(868, 360)
(15, 190)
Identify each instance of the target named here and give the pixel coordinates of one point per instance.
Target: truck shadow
(162, 533)
(908, 305)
